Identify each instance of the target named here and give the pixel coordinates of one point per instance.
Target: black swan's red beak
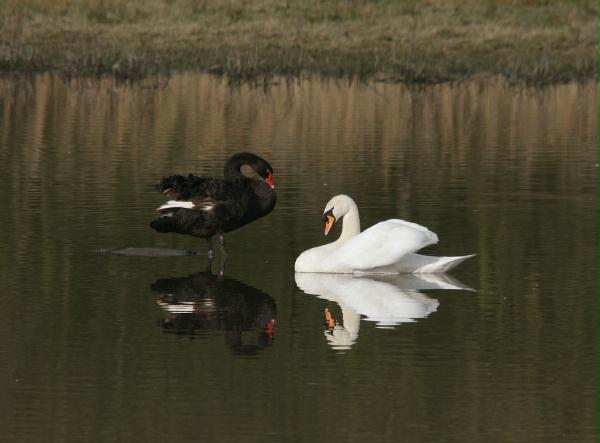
(269, 180)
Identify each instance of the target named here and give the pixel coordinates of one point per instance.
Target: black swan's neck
(232, 166)
(263, 191)
(265, 196)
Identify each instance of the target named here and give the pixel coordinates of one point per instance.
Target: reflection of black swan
(203, 302)
(206, 206)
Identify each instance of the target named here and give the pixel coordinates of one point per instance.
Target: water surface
(142, 347)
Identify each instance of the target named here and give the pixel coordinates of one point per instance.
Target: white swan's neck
(350, 223)
(344, 336)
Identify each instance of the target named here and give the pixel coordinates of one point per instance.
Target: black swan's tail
(163, 223)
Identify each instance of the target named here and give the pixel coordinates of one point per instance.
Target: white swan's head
(335, 209)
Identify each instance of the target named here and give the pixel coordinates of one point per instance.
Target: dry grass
(538, 41)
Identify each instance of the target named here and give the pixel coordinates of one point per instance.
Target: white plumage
(171, 204)
(386, 300)
(204, 205)
(386, 248)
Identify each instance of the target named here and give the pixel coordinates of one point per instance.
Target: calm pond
(140, 347)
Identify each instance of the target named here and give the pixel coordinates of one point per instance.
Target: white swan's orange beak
(329, 223)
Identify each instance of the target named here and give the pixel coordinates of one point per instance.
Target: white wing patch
(206, 205)
(171, 204)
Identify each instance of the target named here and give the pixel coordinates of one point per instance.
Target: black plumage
(203, 302)
(206, 206)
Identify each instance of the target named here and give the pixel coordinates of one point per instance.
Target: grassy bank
(539, 41)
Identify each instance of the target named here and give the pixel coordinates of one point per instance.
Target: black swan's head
(258, 164)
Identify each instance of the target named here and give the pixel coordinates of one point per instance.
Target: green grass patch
(537, 41)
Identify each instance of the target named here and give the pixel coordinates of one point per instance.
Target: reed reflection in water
(508, 173)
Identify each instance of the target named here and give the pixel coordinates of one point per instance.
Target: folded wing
(381, 245)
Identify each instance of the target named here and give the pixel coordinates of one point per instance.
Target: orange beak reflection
(329, 320)
(329, 223)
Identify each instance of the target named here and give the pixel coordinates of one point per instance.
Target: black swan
(206, 206)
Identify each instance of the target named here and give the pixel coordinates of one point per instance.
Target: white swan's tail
(438, 265)
(422, 264)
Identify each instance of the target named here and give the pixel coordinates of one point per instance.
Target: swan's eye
(326, 214)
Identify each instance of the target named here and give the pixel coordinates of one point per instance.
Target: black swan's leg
(210, 252)
(223, 254)
(222, 244)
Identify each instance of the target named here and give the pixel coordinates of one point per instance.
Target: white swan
(387, 300)
(386, 248)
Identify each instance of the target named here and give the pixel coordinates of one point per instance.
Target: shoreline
(415, 42)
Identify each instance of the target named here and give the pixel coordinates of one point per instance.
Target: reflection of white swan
(387, 300)
(386, 248)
